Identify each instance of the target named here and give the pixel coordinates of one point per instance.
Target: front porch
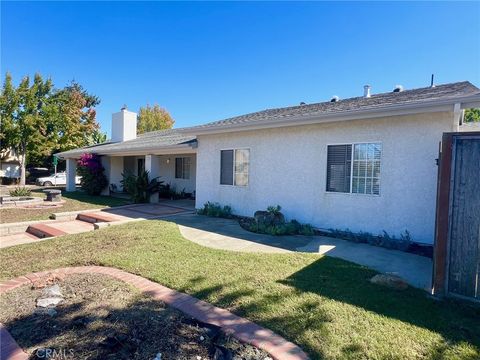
(177, 170)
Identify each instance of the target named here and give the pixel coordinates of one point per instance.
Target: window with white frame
(234, 167)
(354, 168)
(182, 168)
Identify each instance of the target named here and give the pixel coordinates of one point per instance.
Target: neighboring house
(9, 164)
(366, 163)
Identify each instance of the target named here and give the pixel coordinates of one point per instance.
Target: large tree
(37, 120)
(23, 111)
(73, 117)
(151, 118)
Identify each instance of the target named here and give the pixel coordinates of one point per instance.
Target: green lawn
(73, 201)
(325, 305)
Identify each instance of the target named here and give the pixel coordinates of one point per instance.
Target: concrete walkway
(226, 234)
(76, 222)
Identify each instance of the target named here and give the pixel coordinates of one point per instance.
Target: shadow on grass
(311, 314)
(345, 282)
(349, 283)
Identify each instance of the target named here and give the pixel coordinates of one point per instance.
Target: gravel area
(99, 317)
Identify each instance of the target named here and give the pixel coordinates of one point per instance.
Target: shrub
(93, 174)
(289, 228)
(165, 191)
(274, 210)
(140, 187)
(306, 229)
(215, 210)
(272, 222)
(384, 240)
(170, 192)
(20, 191)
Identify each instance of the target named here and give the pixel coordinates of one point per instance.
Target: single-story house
(367, 163)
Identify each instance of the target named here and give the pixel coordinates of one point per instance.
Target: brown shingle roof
(445, 91)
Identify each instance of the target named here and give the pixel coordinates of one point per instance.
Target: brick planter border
(242, 329)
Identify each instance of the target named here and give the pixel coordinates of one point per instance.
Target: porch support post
(71, 173)
(152, 165)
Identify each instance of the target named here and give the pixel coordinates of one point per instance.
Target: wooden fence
(457, 237)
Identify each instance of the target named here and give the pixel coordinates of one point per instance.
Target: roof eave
(191, 146)
(384, 111)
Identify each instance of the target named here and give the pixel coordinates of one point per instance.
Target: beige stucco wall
(167, 172)
(288, 167)
(164, 167)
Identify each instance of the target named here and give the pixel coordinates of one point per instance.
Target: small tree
(472, 115)
(140, 187)
(153, 118)
(93, 174)
(96, 137)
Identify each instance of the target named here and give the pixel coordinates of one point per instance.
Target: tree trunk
(22, 158)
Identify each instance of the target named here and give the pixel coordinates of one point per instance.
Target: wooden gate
(457, 237)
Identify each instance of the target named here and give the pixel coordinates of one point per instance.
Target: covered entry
(457, 240)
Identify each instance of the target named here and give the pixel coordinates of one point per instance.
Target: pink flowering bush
(93, 174)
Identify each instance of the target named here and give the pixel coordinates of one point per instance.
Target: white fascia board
(173, 149)
(385, 111)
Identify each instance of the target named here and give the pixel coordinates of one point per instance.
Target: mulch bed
(104, 318)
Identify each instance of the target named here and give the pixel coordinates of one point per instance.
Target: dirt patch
(104, 318)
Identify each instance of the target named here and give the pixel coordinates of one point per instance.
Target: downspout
(457, 117)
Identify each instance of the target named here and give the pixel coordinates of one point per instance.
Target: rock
(49, 301)
(389, 280)
(52, 291)
(51, 297)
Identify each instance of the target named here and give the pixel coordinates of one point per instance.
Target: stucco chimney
(366, 91)
(124, 125)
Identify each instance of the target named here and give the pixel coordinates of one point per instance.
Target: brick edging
(242, 329)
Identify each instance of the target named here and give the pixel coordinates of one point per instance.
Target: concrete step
(73, 226)
(95, 217)
(43, 231)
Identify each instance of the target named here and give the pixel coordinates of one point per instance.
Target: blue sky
(208, 61)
